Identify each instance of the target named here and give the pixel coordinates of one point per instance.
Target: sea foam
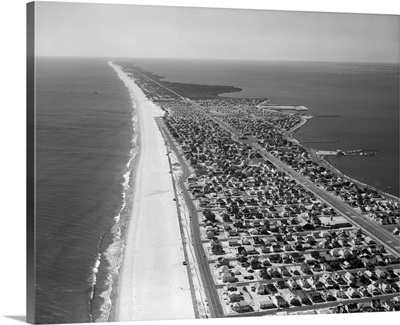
(115, 252)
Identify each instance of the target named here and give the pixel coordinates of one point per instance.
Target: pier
(320, 141)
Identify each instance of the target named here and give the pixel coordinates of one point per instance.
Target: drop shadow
(20, 318)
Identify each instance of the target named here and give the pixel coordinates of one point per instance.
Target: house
(241, 307)
(310, 240)
(391, 259)
(352, 293)
(245, 241)
(261, 289)
(345, 265)
(222, 261)
(297, 246)
(292, 284)
(381, 273)
(287, 247)
(234, 296)
(336, 252)
(307, 225)
(241, 251)
(304, 298)
(352, 308)
(323, 234)
(231, 286)
(289, 237)
(266, 303)
(266, 261)
(309, 259)
(223, 269)
(233, 243)
(390, 305)
(277, 248)
(210, 234)
(373, 290)
(363, 291)
(356, 241)
(316, 297)
(274, 272)
(292, 298)
(252, 231)
(297, 258)
(369, 240)
(319, 285)
(304, 284)
(341, 294)
(251, 250)
(329, 295)
(257, 242)
(264, 274)
(255, 263)
(280, 301)
(216, 248)
(233, 232)
(227, 277)
(349, 277)
(305, 269)
(370, 274)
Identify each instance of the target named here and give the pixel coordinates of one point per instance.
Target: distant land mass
(192, 91)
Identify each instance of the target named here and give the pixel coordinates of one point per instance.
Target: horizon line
(206, 59)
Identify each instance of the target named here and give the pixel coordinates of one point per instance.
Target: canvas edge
(30, 162)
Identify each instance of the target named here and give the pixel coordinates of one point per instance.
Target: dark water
(84, 142)
(82, 148)
(363, 96)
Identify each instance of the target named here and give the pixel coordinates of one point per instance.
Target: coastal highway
(381, 235)
(161, 85)
(391, 242)
(374, 230)
(213, 300)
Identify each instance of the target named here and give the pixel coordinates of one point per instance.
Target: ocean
(84, 152)
(85, 149)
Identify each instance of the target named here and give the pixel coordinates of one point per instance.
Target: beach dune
(153, 283)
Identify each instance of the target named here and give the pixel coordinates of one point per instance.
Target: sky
(101, 30)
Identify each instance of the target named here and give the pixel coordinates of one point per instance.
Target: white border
(12, 269)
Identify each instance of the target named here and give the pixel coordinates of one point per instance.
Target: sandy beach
(153, 283)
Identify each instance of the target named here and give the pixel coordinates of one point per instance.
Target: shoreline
(152, 283)
(133, 167)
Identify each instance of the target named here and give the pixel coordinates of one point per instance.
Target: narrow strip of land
(153, 283)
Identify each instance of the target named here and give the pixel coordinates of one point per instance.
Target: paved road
(381, 235)
(391, 242)
(161, 85)
(207, 279)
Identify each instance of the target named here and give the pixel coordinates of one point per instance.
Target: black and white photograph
(194, 162)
